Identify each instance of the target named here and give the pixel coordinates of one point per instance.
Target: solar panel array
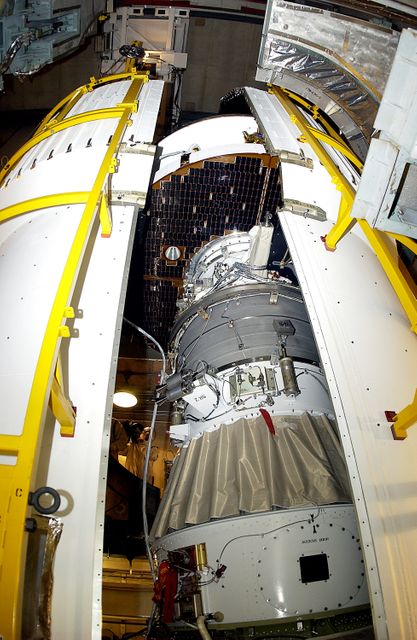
(191, 206)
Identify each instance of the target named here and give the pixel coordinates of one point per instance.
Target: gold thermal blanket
(244, 468)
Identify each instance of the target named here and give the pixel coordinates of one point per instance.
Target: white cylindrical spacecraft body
(260, 484)
(260, 350)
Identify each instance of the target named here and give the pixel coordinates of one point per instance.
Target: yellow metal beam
(389, 262)
(63, 107)
(15, 482)
(297, 117)
(336, 144)
(384, 250)
(66, 104)
(9, 445)
(62, 409)
(315, 112)
(105, 217)
(59, 404)
(34, 204)
(56, 121)
(344, 221)
(405, 240)
(54, 127)
(404, 420)
(130, 75)
(342, 225)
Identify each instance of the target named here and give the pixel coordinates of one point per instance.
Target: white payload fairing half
(290, 508)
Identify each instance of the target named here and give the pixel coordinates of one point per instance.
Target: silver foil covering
(36, 620)
(337, 62)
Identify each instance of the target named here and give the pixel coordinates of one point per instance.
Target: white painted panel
(77, 467)
(397, 114)
(313, 186)
(144, 121)
(133, 174)
(88, 138)
(370, 358)
(261, 553)
(213, 132)
(102, 97)
(55, 177)
(33, 252)
(172, 163)
(280, 131)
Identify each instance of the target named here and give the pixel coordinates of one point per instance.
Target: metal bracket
(62, 409)
(403, 420)
(305, 209)
(128, 197)
(114, 165)
(105, 217)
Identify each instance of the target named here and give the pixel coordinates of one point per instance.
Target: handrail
(344, 222)
(15, 481)
(43, 202)
(72, 98)
(50, 126)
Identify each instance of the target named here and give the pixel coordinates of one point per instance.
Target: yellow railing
(379, 240)
(15, 481)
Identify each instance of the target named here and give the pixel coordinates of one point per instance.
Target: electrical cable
(188, 416)
(219, 415)
(148, 449)
(193, 147)
(266, 533)
(156, 343)
(188, 624)
(13, 49)
(201, 626)
(177, 73)
(144, 491)
(134, 634)
(173, 153)
(309, 373)
(280, 635)
(27, 39)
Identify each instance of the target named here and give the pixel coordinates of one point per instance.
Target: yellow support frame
(405, 240)
(59, 404)
(105, 217)
(336, 144)
(315, 112)
(404, 420)
(16, 480)
(57, 121)
(59, 112)
(344, 221)
(388, 258)
(64, 107)
(377, 239)
(55, 127)
(62, 409)
(34, 204)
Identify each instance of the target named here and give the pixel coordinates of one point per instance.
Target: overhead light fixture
(124, 399)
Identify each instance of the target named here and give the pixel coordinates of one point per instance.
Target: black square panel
(314, 568)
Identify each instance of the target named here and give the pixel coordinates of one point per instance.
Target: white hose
(156, 343)
(201, 626)
(148, 452)
(144, 490)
